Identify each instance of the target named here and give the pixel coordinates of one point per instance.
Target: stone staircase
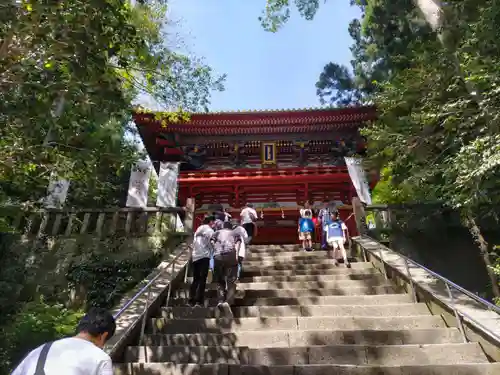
(296, 313)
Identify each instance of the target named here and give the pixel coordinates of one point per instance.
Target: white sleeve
(199, 232)
(242, 250)
(19, 369)
(344, 227)
(243, 234)
(208, 233)
(105, 368)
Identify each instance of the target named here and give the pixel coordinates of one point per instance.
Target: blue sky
(264, 70)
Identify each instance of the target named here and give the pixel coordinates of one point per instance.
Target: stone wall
(102, 255)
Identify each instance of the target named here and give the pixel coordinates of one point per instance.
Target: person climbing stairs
(297, 313)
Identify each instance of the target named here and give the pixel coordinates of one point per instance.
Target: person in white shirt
(226, 245)
(243, 235)
(227, 215)
(303, 210)
(248, 217)
(78, 355)
(200, 257)
(336, 235)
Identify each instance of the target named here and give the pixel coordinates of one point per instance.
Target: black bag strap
(42, 358)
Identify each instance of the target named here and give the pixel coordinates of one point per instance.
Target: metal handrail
(445, 280)
(149, 284)
(448, 283)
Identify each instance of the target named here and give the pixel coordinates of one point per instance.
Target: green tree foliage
(437, 95)
(69, 74)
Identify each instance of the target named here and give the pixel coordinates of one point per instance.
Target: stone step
(361, 299)
(281, 338)
(375, 280)
(168, 368)
(275, 248)
(387, 355)
(297, 266)
(295, 293)
(409, 309)
(310, 271)
(367, 274)
(162, 325)
(279, 261)
(289, 255)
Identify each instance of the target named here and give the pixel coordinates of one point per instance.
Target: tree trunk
(4, 48)
(475, 231)
(435, 15)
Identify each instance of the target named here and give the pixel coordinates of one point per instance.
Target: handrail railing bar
(143, 289)
(466, 292)
(412, 285)
(455, 311)
(442, 278)
(480, 325)
(143, 324)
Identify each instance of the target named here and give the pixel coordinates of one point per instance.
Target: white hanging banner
(179, 227)
(57, 192)
(358, 178)
(138, 186)
(167, 185)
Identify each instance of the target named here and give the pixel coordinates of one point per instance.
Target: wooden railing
(98, 222)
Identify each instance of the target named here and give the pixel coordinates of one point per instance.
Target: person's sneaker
(348, 265)
(220, 304)
(335, 262)
(198, 305)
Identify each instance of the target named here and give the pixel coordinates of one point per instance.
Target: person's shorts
(305, 236)
(336, 243)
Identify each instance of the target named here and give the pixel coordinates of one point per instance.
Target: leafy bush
(106, 279)
(36, 323)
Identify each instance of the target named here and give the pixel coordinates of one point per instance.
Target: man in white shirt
(243, 235)
(200, 256)
(226, 246)
(78, 355)
(248, 217)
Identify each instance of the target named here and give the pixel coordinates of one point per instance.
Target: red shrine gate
(276, 160)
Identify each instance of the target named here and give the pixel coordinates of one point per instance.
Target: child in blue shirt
(306, 228)
(336, 235)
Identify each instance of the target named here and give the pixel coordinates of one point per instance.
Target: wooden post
(57, 224)
(69, 227)
(158, 222)
(85, 224)
(114, 223)
(43, 224)
(100, 223)
(189, 220)
(359, 215)
(128, 222)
